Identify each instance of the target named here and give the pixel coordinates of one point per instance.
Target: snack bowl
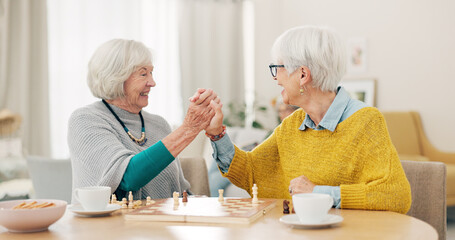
(30, 220)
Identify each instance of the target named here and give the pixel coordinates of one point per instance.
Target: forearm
(223, 152)
(145, 166)
(180, 139)
(247, 168)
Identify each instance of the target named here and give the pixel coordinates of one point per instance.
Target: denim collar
(333, 116)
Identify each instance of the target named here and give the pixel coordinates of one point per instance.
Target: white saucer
(78, 209)
(293, 220)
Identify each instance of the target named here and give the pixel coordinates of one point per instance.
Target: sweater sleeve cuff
(353, 196)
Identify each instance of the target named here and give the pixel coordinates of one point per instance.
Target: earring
(301, 91)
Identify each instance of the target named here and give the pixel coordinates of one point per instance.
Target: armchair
(407, 134)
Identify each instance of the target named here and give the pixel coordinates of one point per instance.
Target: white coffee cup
(312, 207)
(93, 198)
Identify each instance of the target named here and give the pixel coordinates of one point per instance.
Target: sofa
(408, 136)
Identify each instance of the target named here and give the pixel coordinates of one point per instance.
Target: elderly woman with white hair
(333, 144)
(114, 143)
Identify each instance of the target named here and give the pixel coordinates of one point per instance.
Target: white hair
(318, 48)
(112, 64)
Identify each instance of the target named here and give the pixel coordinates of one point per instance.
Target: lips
(144, 94)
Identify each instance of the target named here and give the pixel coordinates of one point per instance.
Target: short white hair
(112, 64)
(318, 48)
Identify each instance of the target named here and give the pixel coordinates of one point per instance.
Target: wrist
(216, 137)
(186, 131)
(215, 131)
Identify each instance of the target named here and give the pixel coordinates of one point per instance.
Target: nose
(151, 82)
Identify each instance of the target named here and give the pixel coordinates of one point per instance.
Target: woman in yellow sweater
(333, 144)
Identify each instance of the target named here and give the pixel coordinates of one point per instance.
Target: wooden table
(357, 224)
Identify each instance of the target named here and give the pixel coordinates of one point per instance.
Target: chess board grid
(203, 210)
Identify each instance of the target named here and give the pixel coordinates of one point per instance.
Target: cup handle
(76, 196)
(331, 202)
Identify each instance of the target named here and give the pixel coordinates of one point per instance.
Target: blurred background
(400, 58)
(405, 47)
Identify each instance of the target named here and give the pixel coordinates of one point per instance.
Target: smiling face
(290, 84)
(137, 88)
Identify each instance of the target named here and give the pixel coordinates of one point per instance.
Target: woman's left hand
(301, 184)
(199, 112)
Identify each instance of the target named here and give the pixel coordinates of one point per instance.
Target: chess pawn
(114, 199)
(176, 198)
(255, 194)
(124, 203)
(185, 196)
(149, 201)
(220, 195)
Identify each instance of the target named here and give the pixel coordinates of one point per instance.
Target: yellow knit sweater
(358, 156)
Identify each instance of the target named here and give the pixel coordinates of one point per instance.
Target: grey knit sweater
(100, 150)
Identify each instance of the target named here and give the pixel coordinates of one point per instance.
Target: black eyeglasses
(273, 69)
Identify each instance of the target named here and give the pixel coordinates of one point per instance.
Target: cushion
(403, 132)
(450, 188)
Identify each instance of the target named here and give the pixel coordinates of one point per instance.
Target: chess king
(333, 144)
(114, 143)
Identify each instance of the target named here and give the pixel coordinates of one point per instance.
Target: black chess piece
(286, 207)
(185, 196)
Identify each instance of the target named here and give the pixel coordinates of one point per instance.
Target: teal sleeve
(145, 166)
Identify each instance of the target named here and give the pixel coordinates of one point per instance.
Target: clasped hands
(204, 112)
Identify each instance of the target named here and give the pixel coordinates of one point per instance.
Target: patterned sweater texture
(100, 150)
(358, 156)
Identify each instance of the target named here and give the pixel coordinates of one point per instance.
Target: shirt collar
(333, 115)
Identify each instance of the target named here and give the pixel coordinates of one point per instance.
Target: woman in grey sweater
(113, 143)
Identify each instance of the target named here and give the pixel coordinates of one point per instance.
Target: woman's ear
(305, 75)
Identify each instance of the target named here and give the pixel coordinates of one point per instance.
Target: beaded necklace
(141, 141)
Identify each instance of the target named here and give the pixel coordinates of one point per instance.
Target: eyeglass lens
(273, 70)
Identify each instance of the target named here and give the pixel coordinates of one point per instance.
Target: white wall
(410, 47)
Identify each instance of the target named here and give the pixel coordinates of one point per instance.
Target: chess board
(203, 210)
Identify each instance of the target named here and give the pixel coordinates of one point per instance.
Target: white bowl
(30, 220)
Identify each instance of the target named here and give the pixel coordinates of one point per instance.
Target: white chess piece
(124, 203)
(255, 194)
(114, 199)
(220, 195)
(137, 204)
(130, 197)
(130, 200)
(149, 201)
(176, 197)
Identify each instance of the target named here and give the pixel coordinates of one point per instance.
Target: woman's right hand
(216, 124)
(197, 118)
